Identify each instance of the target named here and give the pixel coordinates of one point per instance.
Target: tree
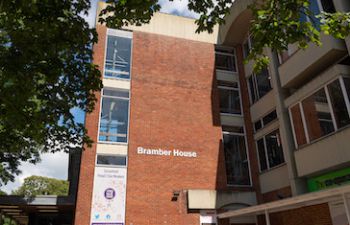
(46, 64)
(46, 70)
(37, 185)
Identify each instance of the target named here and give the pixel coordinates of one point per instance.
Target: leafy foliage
(37, 185)
(45, 70)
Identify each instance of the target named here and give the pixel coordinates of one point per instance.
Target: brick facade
(308, 215)
(174, 104)
(87, 166)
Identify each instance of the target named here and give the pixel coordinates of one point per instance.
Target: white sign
(165, 152)
(207, 216)
(108, 198)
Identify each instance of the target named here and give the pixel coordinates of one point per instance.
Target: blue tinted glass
(118, 56)
(114, 120)
(316, 11)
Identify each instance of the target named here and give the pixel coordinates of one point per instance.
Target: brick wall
(87, 166)
(309, 215)
(252, 153)
(174, 104)
(275, 195)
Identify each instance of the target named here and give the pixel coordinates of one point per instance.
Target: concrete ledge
(263, 106)
(212, 199)
(116, 83)
(316, 83)
(327, 153)
(274, 179)
(227, 76)
(111, 149)
(231, 120)
(306, 64)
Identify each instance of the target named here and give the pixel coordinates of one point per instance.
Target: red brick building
(185, 133)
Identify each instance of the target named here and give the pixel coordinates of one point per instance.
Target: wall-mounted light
(175, 196)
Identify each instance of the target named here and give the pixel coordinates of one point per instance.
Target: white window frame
(234, 58)
(113, 166)
(324, 87)
(247, 152)
(238, 88)
(255, 86)
(265, 152)
(122, 34)
(100, 112)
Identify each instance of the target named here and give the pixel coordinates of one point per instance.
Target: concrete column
(346, 206)
(267, 218)
(298, 185)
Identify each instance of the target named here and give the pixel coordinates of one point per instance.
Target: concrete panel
(306, 64)
(238, 20)
(227, 76)
(212, 199)
(116, 83)
(316, 83)
(229, 120)
(262, 107)
(328, 152)
(248, 68)
(112, 149)
(274, 179)
(172, 25)
(266, 130)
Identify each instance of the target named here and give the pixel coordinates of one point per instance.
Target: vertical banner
(108, 197)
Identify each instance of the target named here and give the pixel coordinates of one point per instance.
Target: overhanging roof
(290, 203)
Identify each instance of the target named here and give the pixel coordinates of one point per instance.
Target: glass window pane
(246, 49)
(236, 161)
(262, 156)
(274, 149)
(114, 120)
(263, 82)
(270, 117)
(298, 125)
(252, 89)
(118, 56)
(227, 83)
(328, 6)
(257, 125)
(116, 93)
(338, 104)
(316, 11)
(233, 129)
(111, 160)
(317, 115)
(229, 101)
(224, 62)
(347, 85)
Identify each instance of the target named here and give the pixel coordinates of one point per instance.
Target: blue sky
(56, 165)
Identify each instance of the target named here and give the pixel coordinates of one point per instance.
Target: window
(225, 60)
(270, 151)
(322, 113)
(114, 115)
(236, 160)
(338, 105)
(264, 121)
(247, 46)
(259, 85)
(230, 101)
(318, 116)
(111, 160)
(328, 6)
(118, 55)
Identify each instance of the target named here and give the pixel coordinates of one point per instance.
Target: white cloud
(177, 7)
(52, 165)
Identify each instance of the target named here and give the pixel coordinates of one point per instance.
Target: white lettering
(164, 152)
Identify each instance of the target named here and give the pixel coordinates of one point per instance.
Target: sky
(56, 165)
